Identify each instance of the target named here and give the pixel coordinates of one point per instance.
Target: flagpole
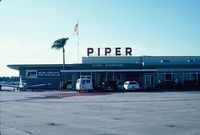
(78, 41)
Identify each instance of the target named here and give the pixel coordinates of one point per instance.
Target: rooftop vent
(165, 61)
(192, 60)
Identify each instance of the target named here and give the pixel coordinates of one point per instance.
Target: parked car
(120, 86)
(84, 84)
(108, 86)
(131, 86)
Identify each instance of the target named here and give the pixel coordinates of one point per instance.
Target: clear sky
(151, 27)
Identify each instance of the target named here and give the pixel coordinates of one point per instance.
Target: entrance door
(148, 80)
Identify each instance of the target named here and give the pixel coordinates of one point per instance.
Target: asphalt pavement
(71, 113)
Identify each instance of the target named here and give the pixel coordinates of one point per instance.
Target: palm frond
(60, 43)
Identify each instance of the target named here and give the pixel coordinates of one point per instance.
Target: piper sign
(107, 51)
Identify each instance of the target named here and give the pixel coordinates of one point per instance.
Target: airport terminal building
(149, 71)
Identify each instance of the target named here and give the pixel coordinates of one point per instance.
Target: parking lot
(71, 113)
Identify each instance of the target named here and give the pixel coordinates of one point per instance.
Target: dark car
(108, 86)
(120, 87)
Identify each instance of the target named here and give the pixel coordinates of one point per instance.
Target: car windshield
(87, 81)
(82, 81)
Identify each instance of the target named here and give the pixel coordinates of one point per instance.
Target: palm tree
(60, 44)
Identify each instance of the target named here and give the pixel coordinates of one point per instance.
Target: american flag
(76, 29)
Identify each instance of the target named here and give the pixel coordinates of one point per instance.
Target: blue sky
(151, 27)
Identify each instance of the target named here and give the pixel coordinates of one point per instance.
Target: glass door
(148, 80)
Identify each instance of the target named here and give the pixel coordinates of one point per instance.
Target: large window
(160, 77)
(31, 73)
(194, 76)
(176, 77)
(191, 76)
(110, 76)
(186, 75)
(168, 76)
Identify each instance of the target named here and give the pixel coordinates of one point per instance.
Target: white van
(84, 84)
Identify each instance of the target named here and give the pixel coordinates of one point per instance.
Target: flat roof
(117, 66)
